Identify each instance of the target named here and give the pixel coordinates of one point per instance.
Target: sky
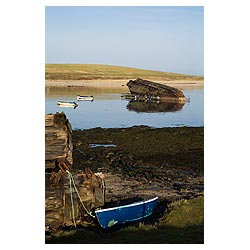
(169, 39)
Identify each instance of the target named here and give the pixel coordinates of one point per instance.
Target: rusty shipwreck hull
(148, 89)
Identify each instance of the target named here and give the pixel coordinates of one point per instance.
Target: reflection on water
(108, 110)
(154, 106)
(72, 92)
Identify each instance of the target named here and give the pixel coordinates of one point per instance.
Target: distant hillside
(99, 71)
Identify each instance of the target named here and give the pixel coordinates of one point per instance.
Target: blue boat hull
(119, 215)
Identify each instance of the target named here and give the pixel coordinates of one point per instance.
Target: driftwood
(147, 89)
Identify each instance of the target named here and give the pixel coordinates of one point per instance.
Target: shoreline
(145, 164)
(121, 83)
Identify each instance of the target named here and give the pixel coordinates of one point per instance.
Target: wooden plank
(49, 120)
(58, 139)
(58, 132)
(56, 148)
(53, 204)
(50, 164)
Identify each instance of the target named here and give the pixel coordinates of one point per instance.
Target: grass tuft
(185, 213)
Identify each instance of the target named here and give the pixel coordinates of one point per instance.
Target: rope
(103, 191)
(72, 202)
(71, 176)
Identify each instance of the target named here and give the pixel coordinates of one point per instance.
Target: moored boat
(126, 213)
(67, 104)
(85, 98)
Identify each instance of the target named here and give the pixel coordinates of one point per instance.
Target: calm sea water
(109, 110)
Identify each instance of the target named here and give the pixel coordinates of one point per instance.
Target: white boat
(85, 98)
(67, 104)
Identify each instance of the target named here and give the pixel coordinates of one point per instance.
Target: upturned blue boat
(118, 215)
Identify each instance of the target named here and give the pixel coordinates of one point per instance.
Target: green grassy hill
(99, 71)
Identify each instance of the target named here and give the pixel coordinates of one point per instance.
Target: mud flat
(144, 162)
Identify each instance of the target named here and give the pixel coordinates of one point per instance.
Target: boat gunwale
(85, 96)
(64, 102)
(126, 206)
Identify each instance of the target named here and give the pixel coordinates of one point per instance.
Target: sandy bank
(182, 84)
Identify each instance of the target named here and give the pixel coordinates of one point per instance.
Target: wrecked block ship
(149, 90)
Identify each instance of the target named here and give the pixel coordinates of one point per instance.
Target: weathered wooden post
(69, 193)
(58, 139)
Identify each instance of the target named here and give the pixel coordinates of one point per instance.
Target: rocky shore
(143, 162)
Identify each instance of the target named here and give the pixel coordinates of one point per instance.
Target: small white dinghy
(67, 104)
(85, 98)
